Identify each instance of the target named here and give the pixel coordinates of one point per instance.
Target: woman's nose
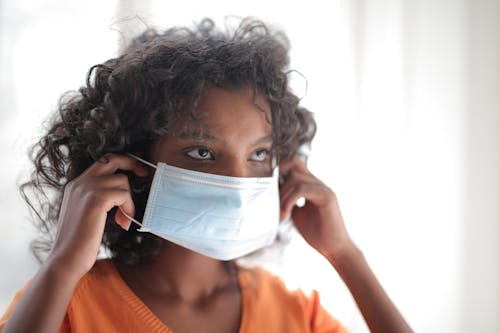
(235, 168)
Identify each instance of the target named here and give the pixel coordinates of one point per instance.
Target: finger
(289, 200)
(122, 220)
(293, 163)
(113, 181)
(110, 163)
(312, 193)
(126, 207)
(290, 186)
(107, 198)
(119, 182)
(295, 178)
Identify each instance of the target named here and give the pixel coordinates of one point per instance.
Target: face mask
(218, 216)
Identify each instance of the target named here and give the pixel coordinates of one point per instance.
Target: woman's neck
(182, 274)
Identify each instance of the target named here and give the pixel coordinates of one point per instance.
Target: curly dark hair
(129, 101)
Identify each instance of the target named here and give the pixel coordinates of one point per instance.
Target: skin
(230, 137)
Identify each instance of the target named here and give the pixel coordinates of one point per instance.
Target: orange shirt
(102, 302)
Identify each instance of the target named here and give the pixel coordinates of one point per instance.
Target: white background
(406, 98)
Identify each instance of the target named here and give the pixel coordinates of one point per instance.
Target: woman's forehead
(219, 107)
(249, 95)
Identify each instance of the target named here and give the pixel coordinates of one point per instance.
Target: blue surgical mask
(218, 216)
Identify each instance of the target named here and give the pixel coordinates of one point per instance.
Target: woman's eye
(200, 154)
(259, 155)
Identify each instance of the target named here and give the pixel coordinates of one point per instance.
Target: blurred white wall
(46, 48)
(481, 255)
(406, 98)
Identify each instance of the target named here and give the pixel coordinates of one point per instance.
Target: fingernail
(300, 202)
(282, 215)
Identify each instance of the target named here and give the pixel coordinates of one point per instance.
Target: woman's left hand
(321, 224)
(319, 221)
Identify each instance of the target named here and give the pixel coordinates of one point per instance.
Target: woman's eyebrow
(197, 135)
(264, 139)
(205, 135)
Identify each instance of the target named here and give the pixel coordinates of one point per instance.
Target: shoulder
(263, 286)
(103, 271)
(102, 283)
(262, 281)
(102, 302)
(266, 297)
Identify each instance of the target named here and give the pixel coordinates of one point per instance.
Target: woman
(193, 135)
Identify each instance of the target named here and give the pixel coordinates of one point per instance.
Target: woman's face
(230, 136)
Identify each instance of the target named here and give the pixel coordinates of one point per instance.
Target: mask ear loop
(147, 163)
(141, 160)
(130, 217)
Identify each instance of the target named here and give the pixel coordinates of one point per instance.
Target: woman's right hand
(87, 200)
